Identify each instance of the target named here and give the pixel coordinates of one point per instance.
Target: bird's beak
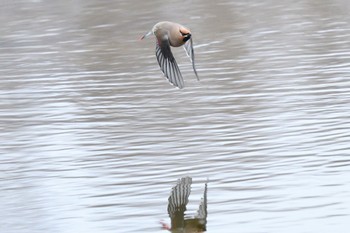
(146, 35)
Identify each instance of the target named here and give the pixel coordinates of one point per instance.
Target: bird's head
(185, 34)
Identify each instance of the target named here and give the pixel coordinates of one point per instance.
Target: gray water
(93, 137)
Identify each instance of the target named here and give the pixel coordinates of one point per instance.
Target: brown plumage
(172, 34)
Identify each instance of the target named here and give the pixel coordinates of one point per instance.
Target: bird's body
(175, 35)
(171, 30)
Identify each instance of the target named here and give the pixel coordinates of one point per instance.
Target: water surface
(93, 137)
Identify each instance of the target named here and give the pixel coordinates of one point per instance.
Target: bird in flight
(175, 35)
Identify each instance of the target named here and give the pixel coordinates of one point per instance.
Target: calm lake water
(93, 137)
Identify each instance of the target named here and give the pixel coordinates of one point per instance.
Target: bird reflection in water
(178, 199)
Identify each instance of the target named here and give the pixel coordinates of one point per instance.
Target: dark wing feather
(168, 64)
(189, 50)
(177, 202)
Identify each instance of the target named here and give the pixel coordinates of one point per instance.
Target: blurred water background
(93, 137)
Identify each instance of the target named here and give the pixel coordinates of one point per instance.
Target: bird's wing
(202, 210)
(189, 50)
(177, 202)
(167, 63)
(178, 198)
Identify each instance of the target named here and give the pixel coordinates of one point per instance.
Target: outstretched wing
(168, 64)
(189, 50)
(202, 210)
(179, 197)
(177, 202)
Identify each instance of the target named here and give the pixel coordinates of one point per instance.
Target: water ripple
(94, 137)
